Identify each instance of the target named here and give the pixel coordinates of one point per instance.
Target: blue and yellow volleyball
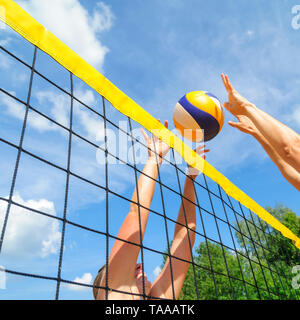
(198, 116)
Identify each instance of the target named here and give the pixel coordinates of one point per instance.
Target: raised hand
(156, 145)
(193, 172)
(237, 104)
(245, 125)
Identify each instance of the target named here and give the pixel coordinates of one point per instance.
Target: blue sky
(155, 52)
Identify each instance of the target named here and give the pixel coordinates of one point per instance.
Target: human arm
(182, 244)
(123, 253)
(247, 126)
(284, 140)
(289, 173)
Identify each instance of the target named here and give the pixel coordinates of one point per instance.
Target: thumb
(234, 124)
(227, 106)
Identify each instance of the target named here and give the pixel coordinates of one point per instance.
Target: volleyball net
(71, 154)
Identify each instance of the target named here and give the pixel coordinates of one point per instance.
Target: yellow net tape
(18, 19)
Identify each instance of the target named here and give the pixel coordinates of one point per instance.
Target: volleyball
(198, 116)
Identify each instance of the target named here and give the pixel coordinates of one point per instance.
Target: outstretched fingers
(230, 86)
(144, 134)
(166, 124)
(201, 150)
(224, 81)
(234, 124)
(227, 83)
(155, 137)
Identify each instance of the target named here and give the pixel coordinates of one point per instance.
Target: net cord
(35, 33)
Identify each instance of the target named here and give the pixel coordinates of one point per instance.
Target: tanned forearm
(130, 229)
(182, 245)
(143, 194)
(281, 138)
(186, 215)
(290, 174)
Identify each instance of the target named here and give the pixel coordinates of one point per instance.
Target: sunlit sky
(155, 52)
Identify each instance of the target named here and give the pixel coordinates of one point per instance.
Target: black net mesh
(66, 188)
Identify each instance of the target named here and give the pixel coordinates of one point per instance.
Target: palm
(246, 125)
(236, 104)
(155, 145)
(201, 152)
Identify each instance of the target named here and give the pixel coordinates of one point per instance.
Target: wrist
(192, 177)
(155, 160)
(257, 136)
(192, 173)
(250, 109)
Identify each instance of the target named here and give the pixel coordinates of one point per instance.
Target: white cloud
(5, 63)
(16, 110)
(93, 127)
(84, 157)
(157, 271)
(85, 279)
(85, 96)
(103, 19)
(30, 235)
(60, 104)
(74, 25)
(5, 42)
